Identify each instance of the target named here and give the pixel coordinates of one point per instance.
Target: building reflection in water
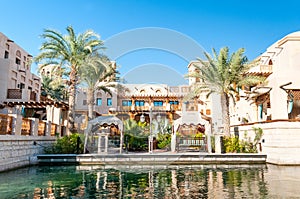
(174, 182)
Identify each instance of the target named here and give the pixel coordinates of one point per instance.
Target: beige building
(275, 105)
(17, 83)
(279, 97)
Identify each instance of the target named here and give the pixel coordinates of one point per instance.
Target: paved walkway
(158, 157)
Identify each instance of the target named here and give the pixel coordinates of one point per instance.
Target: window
(84, 102)
(18, 53)
(208, 112)
(7, 46)
(158, 103)
(126, 102)
(14, 74)
(139, 103)
(18, 61)
(99, 101)
(6, 55)
(173, 102)
(109, 102)
(21, 86)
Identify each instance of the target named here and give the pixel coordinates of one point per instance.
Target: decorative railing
(187, 143)
(266, 68)
(42, 128)
(124, 108)
(53, 130)
(14, 94)
(158, 108)
(5, 124)
(26, 126)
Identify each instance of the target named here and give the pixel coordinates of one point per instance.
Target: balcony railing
(186, 143)
(42, 128)
(266, 68)
(26, 126)
(14, 94)
(53, 130)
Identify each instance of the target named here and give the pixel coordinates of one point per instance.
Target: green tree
(68, 52)
(98, 74)
(53, 88)
(134, 128)
(223, 74)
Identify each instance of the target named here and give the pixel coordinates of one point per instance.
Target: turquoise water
(202, 181)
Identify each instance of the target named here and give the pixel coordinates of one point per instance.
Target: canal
(148, 181)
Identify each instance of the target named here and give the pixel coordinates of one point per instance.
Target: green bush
(234, 145)
(135, 143)
(163, 140)
(67, 145)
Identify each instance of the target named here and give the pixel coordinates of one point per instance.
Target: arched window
(99, 94)
(158, 91)
(18, 53)
(270, 62)
(142, 91)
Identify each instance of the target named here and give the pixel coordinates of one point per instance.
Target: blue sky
(254, 25)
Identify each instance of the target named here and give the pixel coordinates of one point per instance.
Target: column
(16, 124)
(99, 142)
(217, 143)
(34, 126)
(48, 128)
(106, 142)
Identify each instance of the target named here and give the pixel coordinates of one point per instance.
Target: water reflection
(203, 181)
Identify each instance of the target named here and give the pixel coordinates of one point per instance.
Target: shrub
(163, 140)
(67, 145)
(135, 143)
(234, 145)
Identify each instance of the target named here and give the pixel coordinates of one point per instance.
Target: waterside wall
(18, 151)
(280, 140)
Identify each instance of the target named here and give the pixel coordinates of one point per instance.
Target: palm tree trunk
(72, 95)
(225, 113)
(90, 103)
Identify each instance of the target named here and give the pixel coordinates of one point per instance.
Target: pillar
(16, 124)
(99, 142)
(106, 142)
(34, 126)
(48, 128)
(218, 147)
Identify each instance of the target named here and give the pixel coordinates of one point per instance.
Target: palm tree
(68, 52)
(223, 74)
(52, 88)
(97, 75)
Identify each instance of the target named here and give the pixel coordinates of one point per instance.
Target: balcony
(266, 68)
(14, 94)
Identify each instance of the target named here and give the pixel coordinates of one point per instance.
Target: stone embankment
(18, 151)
